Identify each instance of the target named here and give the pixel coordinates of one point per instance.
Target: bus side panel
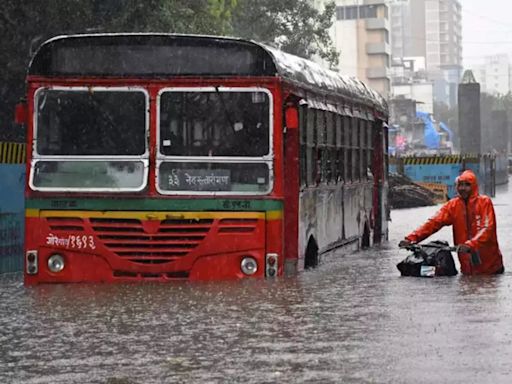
(368, 220)
(307, 223)
(357, 212)
(329, 212)
(320, 219)
(351, 210)
(335, 218)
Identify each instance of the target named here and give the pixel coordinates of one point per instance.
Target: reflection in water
(352, 320)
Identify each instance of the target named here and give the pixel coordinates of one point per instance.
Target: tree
(24, 24)
(295, 26)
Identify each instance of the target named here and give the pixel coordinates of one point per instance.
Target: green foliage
(294, 26)
(24, 24)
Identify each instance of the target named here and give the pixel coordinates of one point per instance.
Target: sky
(486, 29)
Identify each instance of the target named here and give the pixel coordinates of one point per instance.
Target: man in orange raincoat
(474, 228)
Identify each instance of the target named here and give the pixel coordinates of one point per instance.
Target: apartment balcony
(381, 48)
(377, 23)
(378, 73)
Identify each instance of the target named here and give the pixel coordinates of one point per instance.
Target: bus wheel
(311, 258)
(365, 240)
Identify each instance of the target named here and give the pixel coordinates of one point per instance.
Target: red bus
(155, 157)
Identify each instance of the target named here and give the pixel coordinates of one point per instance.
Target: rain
(215, 191)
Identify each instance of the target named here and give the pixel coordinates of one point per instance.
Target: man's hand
(404, 243)
(464, 248)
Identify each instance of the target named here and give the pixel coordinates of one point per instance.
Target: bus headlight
(249, 266)
(56, 263)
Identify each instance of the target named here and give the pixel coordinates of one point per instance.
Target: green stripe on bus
(124, 204)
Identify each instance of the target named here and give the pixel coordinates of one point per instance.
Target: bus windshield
(215, 139)
(214, 123)
(90, 138)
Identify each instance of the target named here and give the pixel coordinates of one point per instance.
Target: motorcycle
(429, 260)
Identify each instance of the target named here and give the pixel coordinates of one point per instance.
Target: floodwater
(352, 320)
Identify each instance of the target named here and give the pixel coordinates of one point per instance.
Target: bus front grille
(65, 224)
(156, 241)
(150, 242)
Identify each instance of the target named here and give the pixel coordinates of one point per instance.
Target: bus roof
(164, 55)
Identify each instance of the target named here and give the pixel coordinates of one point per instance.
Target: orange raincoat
(474, 224)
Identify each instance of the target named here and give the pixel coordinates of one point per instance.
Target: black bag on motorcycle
(429, 260)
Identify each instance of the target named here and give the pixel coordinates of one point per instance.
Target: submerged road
(353, 320)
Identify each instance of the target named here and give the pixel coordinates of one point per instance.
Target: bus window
(303, 146)
(321, 146)
(364, 149)
(81, 122)
(214, 123)
(199, 127)
(339, 148)
(355, 149)
(90, 139)
(369, 145)
(348, 146)
(310, 142)
(331, 145)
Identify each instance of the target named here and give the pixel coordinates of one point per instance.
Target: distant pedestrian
(474, 228)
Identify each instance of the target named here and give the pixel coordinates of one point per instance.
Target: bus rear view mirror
(292, 117)
(20, 113)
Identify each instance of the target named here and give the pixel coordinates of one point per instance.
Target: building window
(367, 11)
(340, 14)
(351, 12)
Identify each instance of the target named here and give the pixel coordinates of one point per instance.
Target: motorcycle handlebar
(414, 247)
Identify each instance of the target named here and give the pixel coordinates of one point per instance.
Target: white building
(360, 33)
(494, 75)
(409, 80)
(430, 29)
(421, 92)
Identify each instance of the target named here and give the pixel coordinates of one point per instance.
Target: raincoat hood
(469, 177)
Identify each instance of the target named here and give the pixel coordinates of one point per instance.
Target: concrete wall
(12, 217)
(444, 170)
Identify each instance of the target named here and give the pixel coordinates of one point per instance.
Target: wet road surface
(352, 320)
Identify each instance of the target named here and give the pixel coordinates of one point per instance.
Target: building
(409, 80)
(431, 29)
(420, 92)
(361, 35)
(494, 75)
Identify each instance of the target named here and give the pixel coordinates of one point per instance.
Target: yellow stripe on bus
(274, 215)
(152, 215)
